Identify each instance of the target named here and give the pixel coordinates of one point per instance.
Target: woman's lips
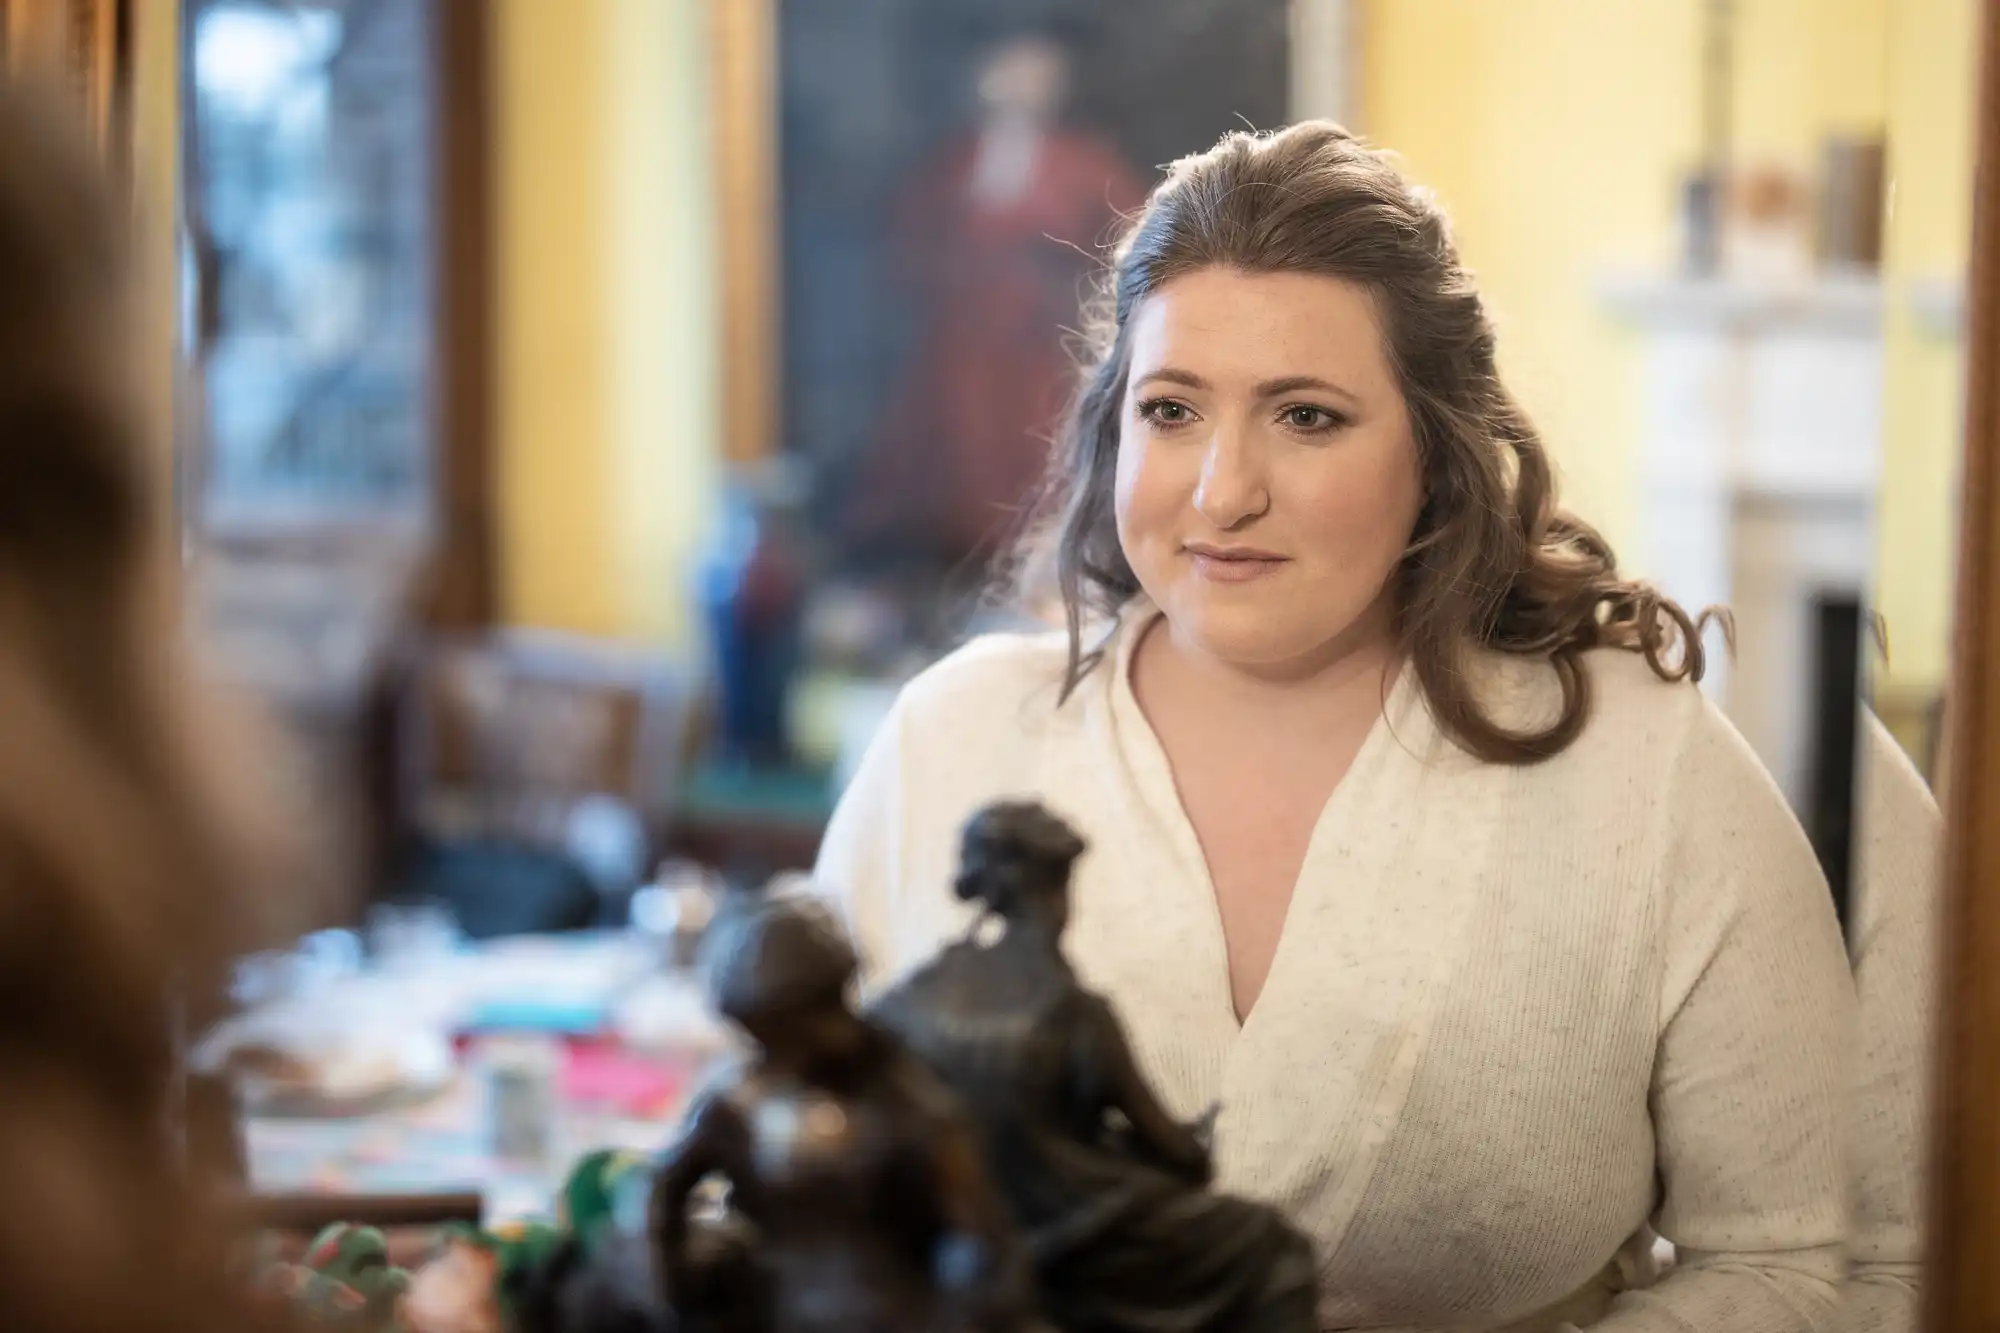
(1223, 565)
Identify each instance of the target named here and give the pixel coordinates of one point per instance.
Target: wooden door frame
(464, 592)
(743, 91)
(1962, 1291)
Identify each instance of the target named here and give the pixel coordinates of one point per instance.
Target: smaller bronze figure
(1109, 1190)
(858, 1178)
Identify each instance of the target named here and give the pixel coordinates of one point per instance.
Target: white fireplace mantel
(1760, 451)
(1830, 302)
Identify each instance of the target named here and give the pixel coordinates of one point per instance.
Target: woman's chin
(1261, 635)
(1248, 637)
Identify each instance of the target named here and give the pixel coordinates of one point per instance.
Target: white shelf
(1826, 303)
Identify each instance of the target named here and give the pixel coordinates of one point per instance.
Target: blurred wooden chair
(528, 743)
(312, 626)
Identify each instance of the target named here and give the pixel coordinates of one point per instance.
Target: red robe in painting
(997, 290)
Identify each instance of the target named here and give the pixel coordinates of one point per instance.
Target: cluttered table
(449, 1067)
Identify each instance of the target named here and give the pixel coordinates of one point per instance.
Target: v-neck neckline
(1151, 764)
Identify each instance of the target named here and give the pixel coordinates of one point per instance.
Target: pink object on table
(644, 1086)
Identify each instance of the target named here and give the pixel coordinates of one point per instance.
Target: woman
(1416, 847)
(855, 1171)
(1106, 1185)
(121, 852)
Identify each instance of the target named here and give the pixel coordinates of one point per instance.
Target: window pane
(310, 186)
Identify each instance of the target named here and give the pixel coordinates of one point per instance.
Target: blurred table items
(568, 985)
(329, 1041)
(323, 1037)
(518, 1075)
(315, 960)
(616, 1036)
(675, 909)
(667, 1014)
(343, 1280)
(606, 1096)
(411, 937)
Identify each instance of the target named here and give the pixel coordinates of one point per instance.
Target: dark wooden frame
(465, 585)
(83, 45)
(460, 589)
(1962, 1293)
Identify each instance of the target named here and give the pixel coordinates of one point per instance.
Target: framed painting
(945, 178)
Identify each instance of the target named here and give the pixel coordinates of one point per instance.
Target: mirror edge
(1964, 1234)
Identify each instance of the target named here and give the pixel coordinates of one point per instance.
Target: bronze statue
(1109, 1190)
(856, 1175)
(603, 1288)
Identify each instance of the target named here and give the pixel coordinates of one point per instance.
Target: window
(309, 163)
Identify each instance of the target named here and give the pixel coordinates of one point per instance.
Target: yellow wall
(607, 408)
(1805, 69)
(1933, 57)
(1555, 130)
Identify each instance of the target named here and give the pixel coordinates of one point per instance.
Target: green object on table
(346, 1280)
(593, 1198)
(601, 1193)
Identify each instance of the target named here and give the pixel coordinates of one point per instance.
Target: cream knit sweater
(1892, 936)
(1519, 1019)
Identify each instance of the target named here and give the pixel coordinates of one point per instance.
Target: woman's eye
(1166, 412)
(1306, 417)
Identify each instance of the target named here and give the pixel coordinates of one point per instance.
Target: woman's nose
(1233, 488)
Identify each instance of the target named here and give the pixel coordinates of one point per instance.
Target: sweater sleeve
(1893, 942)
(1750, 1075)
(859, 868)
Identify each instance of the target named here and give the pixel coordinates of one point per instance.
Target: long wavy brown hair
(1494, 562)
(122, 848)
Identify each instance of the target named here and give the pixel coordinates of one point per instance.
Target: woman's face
(1267, 480)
